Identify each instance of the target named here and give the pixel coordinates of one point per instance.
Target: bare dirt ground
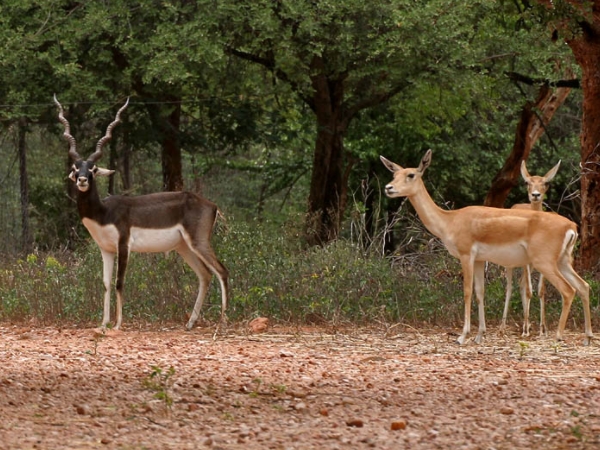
(294, 389)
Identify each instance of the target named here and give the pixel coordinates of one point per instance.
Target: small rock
(297, 394)
(324, 412)
(398, 425)
(259, 325)
(300, 406)
(506, 410)
(355, 423)
(82, 410)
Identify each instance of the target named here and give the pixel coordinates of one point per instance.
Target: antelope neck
(89, 204)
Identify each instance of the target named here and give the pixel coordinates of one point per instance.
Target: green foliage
(160, 382)
(271, 275)
(247, 140)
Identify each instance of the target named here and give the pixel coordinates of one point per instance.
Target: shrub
(270, 275)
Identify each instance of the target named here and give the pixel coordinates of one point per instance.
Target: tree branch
(520, 78)
(269, 63)
(374, 100)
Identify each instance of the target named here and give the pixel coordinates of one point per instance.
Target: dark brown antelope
(507, 237)
(180, 221)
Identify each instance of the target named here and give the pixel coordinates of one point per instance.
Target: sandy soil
(294, 389)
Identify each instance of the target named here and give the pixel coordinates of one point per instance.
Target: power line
(149, 102)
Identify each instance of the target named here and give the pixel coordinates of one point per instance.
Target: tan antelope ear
(524, 172)
(72, 175)
(392, 167)
(99, 171)
(425, 161)
(552, 172)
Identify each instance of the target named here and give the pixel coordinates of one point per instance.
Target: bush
(270, 275)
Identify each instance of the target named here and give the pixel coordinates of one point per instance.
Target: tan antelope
(507, 237)
(180, 221)
(536, 188)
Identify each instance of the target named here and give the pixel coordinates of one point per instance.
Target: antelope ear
(552, 173)
(103, 172)
(524, 172)
(72, 175)
(392, 167)
(425, 161)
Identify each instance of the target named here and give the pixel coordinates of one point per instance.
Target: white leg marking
(509, 274)
(108, 263)
(204, 278)
(479, 281)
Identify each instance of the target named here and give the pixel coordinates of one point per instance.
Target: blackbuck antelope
(180, 221)
(536, 188)
(507, 237)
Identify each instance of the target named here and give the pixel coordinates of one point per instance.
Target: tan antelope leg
(479, 282)
(526, 293)
(509, 287)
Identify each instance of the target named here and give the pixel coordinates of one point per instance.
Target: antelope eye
(410, 176)
(94, 170)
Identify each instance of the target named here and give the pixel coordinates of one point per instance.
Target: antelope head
(406, 182)
(536, 185)
(83, 171)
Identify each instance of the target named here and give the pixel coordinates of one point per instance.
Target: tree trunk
(586, 48)
(369, 194)
(168, 127)
(26, 239)
(532, 124)
(126, 168)
(329, 180)
(113, 162)
(171, 151)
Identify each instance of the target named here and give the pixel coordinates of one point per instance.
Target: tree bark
(328, 187)
(586, 48)
(113, 162)
(26, 239)
(171, 151)
(168, 132)
(532, 124)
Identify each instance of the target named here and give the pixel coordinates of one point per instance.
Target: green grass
(271, 275)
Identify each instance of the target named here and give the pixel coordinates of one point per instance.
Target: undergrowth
(270, 275)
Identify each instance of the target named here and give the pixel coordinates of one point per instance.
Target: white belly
(151, 240)
(513, 254)
(143, 240)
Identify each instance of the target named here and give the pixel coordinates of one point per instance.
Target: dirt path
(306, 389)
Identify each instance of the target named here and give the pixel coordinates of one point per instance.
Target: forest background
(278, 112)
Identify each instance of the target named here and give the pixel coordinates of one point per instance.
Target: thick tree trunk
(586, 48)
(26, 239)
(532, 124)
(171, 151)
(328, 193)
(167, 125)
(113, 162)
(329, 181)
